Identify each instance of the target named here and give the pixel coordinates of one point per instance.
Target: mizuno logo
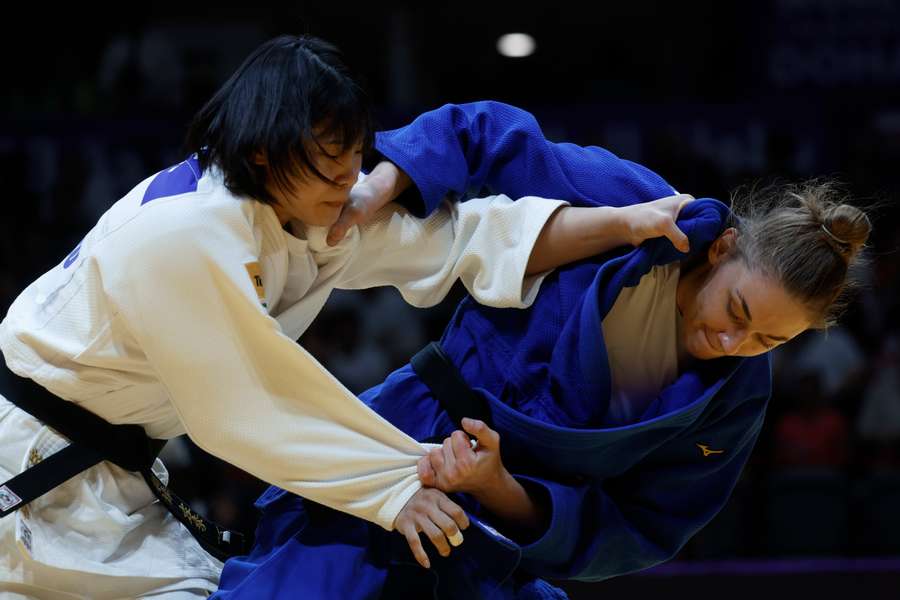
(706, 451)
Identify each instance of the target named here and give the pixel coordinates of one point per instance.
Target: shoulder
(196, 226)
(175, 204)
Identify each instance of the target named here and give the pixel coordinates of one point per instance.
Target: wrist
(620, 231)
(401, 181)
(382, 182)
(388, 181)
(496, 485)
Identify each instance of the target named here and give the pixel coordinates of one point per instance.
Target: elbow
(219, 442)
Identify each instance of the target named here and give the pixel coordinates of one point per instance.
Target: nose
(347, 176)
(342, 179)
(732, 340)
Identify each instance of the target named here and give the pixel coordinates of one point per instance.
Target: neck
(283, 217)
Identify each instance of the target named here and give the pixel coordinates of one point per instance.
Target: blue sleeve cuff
(395, 147)
(557, 543)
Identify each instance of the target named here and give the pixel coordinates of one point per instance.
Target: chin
(324, 219)
(695, 352)
(701, 353)
(329, 214)
(327, 221)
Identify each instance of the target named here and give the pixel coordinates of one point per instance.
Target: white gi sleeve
(245, 392)
(484, 242)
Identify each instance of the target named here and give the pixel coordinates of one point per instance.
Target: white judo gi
(180, 314)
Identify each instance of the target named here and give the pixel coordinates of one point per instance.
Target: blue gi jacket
(621, 498)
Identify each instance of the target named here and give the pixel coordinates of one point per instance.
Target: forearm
(573, 233)
(389, 181)
(508, 500)
(494, 148)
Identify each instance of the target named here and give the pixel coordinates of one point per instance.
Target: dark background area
(710, 95)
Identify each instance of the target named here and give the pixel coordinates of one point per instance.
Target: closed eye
(729, 308)
(732, 313)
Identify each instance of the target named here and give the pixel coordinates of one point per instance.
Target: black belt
(438, 372)
(92, 441)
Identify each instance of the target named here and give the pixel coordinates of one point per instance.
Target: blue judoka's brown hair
(290, 96)
(807, 236)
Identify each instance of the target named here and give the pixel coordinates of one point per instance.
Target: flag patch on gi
(255, 273)
(8, 498)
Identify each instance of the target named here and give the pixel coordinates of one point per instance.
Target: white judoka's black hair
(290, 96)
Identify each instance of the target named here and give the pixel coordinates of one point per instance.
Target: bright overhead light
(516, 45)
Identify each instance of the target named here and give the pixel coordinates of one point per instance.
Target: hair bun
(847, 227)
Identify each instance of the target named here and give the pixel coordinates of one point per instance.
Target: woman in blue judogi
(627, 398)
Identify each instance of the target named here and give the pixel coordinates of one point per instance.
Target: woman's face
(729, 309)
(309, 199)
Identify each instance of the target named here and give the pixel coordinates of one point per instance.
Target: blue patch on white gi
(180, 179)
(72, 257)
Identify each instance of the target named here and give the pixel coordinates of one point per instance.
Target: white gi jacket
(180, 314)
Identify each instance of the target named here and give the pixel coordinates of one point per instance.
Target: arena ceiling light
(516, 45)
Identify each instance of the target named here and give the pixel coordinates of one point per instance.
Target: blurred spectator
(357, 360)
(878, 424)
(813, 433)
(834, 356)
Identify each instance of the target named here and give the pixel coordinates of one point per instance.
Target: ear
(259, 158)
(724, 246)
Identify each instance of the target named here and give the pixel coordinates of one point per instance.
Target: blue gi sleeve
(645, 516)
(485, 148)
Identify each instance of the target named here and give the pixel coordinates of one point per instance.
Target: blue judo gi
(621, 498)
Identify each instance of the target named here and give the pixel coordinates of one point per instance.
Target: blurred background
(710, 95)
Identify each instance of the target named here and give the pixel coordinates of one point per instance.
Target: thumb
(426, 472)
(487, 437)
(339, 229)
(685, 199)
(677, 237)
